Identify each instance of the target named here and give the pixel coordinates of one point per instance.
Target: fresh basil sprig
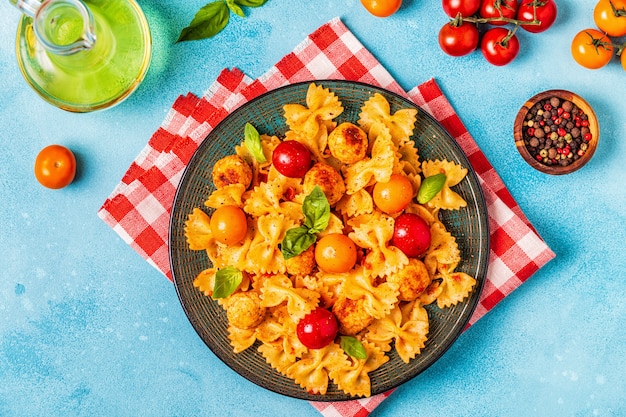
(213, 18)
(353, 347)
(316, 217)
(253, 143)
(227, 280)
(430, 187)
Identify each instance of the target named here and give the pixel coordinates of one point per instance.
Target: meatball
(231, 169)
(328, 179)
(351, 315)
(302, 264)
(244, 309)
(348, 143)
(413, 279)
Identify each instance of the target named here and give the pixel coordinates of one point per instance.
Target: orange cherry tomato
(610, 17)
(382, 8)
(55, 166)
(592, 49)
(394, 195)
(623, 60)
(336, 253)
(229, 225)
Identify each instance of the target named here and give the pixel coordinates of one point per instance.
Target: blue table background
(87, 328)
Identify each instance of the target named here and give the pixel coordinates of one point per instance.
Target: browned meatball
(413, 279)
(302, 264)
(328, 179)
(348, 143)
(231, 169)
(351, 315)
(244, 310)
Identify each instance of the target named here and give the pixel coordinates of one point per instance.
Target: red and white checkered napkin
(139, 207)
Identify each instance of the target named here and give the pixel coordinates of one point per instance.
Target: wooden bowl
(556, 168)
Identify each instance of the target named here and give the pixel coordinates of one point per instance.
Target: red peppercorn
(587, 137)
(538, 157)
(547, 107)
(584, 123)
(561, 132)
(560, 111)
(531, 131)
(566, 115)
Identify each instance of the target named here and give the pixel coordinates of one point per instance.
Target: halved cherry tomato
(465, 7)
(394, 195)
(546, 14)
(498, 47)
(382, 8)
(498, 8)
(592, 49)
(55, 166)
(610, 17)
(229, 225)
(335, 252)
(458, 40)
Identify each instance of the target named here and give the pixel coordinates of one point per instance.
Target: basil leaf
(353, 347)
(208, 22)
(227, 280)
(251, 3)
(235, 8)
(296, 241)
(253, 143)
(316, 210)
(430, 187)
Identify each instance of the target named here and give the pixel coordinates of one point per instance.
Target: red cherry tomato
(592, 49)
(55, 166)
(292, 159)
(382, 8)
(458, 40)
(411, 235)
(317, 329)
(498, 8)
(496, 49)
(465, 7)
(546, 14)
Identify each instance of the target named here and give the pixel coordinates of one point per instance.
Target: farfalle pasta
(379, 301)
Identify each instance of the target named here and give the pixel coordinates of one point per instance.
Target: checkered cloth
(139, 207)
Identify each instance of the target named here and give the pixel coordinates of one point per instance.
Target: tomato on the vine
(610, 17)
(499, 46)
(335, 253)
(498, 8)
(546, 14)
(465, 7)
(55, 166)
(382, 8)
(229, 225)
(592, 49)
(458, 40)
(623, 60)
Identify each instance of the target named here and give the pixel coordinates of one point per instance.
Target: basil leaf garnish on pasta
(253, 143)
(227, 280)
(353, 347)
(296, 241)
(430, 187)
(316, 210)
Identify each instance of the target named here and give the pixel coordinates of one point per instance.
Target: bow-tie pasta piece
(312, 370)
(443, 251)
(377, 110)
(198, 230)
(446, 198)
(456, 286)
(322, 106)
(354, 379)
(229, 195)
(279, 288)
(352, 205)
(264, 255)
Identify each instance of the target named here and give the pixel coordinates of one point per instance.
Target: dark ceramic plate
(469, 225)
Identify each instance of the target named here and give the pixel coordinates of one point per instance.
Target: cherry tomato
(55, 166)
(498, 8)
(465, 7)
(292, 159)
(411, 235)
(546, 14)
(610, 17)
(623, 60)
(382, 8)
(317, 329)
(394, 195)
(588, 50)
(458, 40)
(496, 50)
(229, 225)
(335, 252)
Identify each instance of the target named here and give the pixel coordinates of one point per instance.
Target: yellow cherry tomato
(229, 225)
(623, 60)
(382, 8)
(394, 195)
(610, 17)
(55, 166)
(335, 253)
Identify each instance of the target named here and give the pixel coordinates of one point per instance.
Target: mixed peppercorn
(556, 132)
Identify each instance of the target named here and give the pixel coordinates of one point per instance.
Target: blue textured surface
(87, 328)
